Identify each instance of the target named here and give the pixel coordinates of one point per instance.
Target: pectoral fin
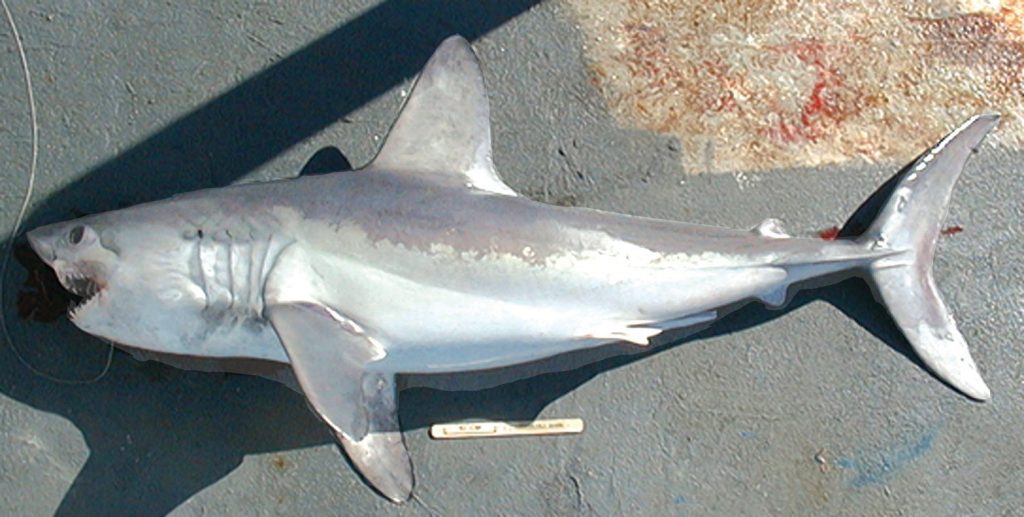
(331, 357)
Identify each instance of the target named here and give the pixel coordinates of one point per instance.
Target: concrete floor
(142, 102)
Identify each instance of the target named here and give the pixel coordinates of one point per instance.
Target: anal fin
(775, 298)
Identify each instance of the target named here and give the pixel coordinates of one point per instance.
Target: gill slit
(200, 277)
(270, 258)
(230, 245)
(259, 252)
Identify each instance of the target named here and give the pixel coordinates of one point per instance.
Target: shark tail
(904, 217)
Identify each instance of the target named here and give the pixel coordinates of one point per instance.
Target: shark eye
(76, 234)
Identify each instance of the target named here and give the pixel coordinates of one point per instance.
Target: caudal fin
(908, 222)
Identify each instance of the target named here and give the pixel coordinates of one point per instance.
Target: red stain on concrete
(827, 103)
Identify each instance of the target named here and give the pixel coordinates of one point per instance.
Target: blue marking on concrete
(680, 500)
(878, 467)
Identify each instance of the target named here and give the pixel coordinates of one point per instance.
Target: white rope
(21, 215)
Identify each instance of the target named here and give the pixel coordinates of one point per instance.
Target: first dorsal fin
(444, 130)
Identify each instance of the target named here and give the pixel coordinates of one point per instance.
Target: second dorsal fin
(444, 129)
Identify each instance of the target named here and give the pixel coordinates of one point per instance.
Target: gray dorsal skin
(426, 262)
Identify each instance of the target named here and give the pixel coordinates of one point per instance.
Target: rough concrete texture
(815, 409)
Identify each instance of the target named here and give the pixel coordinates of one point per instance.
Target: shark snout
(40, 245)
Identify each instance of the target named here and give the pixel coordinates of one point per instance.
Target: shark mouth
(83, 290)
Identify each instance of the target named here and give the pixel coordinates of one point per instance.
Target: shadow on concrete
(325, 161)
(258, 119)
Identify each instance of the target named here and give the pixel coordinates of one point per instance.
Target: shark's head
(75, 251)
(139, 275)
(130, 272)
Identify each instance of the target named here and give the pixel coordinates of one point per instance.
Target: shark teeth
(81, 287)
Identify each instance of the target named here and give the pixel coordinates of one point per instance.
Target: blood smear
(829, 234)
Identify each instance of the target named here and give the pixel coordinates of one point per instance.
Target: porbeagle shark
(425, 261)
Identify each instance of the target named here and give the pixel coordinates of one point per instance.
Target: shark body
(424, 261)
